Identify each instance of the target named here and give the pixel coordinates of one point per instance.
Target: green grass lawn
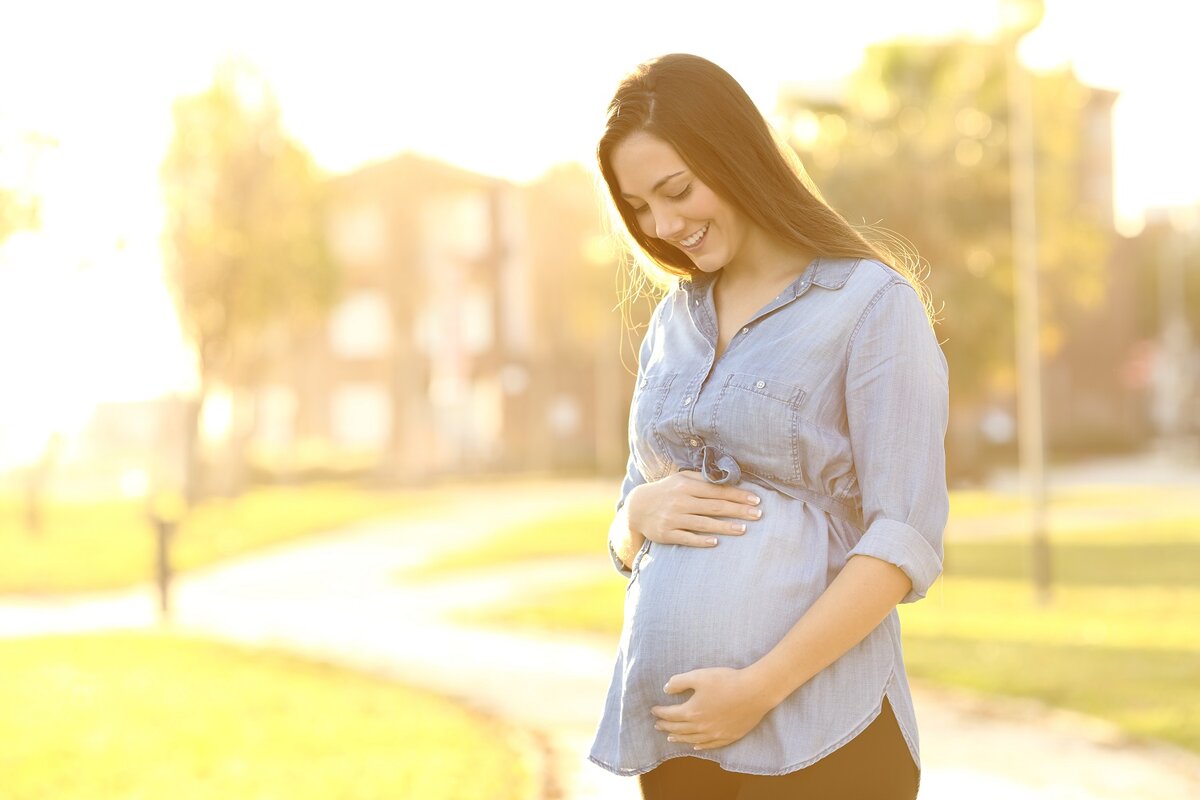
(127, 715)
(975, 503)
(1119, 641)
(580, 532)
(101, 545)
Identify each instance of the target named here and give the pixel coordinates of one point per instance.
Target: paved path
(335, 597)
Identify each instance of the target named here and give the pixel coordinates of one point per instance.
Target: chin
(709, 264)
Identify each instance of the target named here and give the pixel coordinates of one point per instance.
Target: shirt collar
(829, 273)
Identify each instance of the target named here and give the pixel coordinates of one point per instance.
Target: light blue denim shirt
(830, 404)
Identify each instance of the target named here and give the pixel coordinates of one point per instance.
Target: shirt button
(687, 400)
(696, 301)
(746, 330)
(760, 384)
(644, 382)
(694, 442)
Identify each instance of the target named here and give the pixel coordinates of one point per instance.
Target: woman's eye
(684, 193)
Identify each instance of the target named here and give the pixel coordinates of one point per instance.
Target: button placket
(683, 419)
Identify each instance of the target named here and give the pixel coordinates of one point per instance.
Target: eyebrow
(657, 185)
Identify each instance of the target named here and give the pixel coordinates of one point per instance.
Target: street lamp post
(1019, 18)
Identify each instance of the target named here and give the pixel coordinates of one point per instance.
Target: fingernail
(740, 526)
(752, 498)
(756, 512)
(712, 540)
(670, 738)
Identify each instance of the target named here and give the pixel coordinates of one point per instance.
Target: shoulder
(675, 301)
(890, 313)
(662, 314)
(857, 285)
(861, 276)
(866, 283)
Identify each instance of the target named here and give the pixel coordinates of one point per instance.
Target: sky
(506, 89)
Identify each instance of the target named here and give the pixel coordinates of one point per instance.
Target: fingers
(693, 512)
(689, 734)
(703, 524)
(729, 500)
(696, 518)
(692, 539)
(732, 494)
(703, 514)
(702, 497)
(717, 507)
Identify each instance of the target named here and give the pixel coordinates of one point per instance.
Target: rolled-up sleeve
(897, 408)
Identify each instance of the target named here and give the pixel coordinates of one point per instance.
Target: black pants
(875, 765)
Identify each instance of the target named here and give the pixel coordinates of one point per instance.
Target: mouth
(694, 241)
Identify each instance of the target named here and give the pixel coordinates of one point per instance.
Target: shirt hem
(844, 740)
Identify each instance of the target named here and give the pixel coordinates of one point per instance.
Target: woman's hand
(725, 705)
(684, 508)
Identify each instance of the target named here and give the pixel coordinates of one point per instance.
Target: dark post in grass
(165, 510)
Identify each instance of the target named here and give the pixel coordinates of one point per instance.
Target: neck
(766, 260)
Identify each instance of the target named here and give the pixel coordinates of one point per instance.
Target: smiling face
(672, 204)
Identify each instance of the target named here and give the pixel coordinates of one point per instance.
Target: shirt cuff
(617, 563)
(902, 545)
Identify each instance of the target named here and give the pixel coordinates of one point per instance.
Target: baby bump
(691, 607)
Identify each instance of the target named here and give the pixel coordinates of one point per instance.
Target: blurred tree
(574, 268)
(564, 227)
(20, 207)
(37, 481)
(244, 243)
(918, 145)
(16, 213)
(20, 210)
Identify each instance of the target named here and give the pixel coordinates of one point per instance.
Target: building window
(457, 227)
(358, 235)
(276, 423)
(361, 326)
(361, 416)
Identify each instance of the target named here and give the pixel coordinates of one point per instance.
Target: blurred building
(473, 335)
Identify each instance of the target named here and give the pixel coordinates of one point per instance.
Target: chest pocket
(757, 420)
(645, 424)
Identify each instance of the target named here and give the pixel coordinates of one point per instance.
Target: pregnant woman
(786, 479)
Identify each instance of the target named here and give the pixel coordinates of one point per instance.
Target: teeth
(694, 238)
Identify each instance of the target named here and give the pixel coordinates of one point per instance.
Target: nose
(668, 225)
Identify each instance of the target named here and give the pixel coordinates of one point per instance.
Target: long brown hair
(700, 110)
